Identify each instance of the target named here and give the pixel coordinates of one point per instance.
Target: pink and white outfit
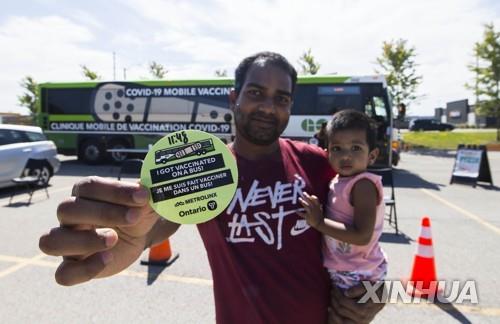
(348, 264)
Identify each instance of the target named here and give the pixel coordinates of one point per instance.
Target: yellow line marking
(40, 192)
(20, 265)
(463, 211)
(127, 273)
(36, 261)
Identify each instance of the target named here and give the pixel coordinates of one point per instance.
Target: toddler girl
(353, 218)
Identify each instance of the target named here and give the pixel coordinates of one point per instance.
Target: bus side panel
(144, 140)
(66, 142)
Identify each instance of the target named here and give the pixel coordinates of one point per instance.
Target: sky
(50, 40)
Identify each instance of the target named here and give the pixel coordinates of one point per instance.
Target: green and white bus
(95, 120)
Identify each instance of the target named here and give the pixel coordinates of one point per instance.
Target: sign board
(471, 165)
(192, 176)
(467, 163)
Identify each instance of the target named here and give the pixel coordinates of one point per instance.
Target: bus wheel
(91, 152)
(118, 157)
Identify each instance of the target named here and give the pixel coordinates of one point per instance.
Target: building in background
(17, 119)
(460, 113)
(439, 113)
(457, 112)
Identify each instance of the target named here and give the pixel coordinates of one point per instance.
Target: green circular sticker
(191, 175)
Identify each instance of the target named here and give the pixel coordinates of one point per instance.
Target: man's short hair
(275, 59)
(350, 119)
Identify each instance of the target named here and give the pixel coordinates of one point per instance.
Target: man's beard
(259, 136)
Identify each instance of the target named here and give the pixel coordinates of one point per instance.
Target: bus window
(212, 109)
(379, 105)
(333, 98)
(369, 109)
(327, 105)
(304, 100)
(375, 102)
(376, 109)
(68, 101)
(170, 108)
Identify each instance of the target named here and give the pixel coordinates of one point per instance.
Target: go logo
(310, 125)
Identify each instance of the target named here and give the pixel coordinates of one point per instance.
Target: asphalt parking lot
(465, 226)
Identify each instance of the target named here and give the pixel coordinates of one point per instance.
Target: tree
(30, 97)
(308, 64)
(89, 74)
(222, 73)
(487, 75)
(398, 65)
(157, 70)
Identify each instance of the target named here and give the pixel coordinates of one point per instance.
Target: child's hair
(350, 119)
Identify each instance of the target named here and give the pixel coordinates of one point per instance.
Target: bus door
(376, 105)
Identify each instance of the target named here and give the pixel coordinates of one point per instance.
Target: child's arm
(364, 198)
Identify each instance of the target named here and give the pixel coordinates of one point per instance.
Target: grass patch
(447, 140)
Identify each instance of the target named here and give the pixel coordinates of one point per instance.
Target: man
(401, 111)
(265, 260)
(320, 136)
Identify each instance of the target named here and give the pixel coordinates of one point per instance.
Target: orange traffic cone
(423, 282)
(160, 255)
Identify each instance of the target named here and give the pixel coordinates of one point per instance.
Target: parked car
(426, 124)
(20, 146)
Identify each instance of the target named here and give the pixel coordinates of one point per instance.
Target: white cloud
(124, 40)
(25, 38)
(345, 36)
(86, 18)
(194, 38)
(47, 48)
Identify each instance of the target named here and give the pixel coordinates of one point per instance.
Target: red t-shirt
(266, 261)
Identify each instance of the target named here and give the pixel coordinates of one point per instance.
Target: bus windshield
(326, 100)
(315, 104)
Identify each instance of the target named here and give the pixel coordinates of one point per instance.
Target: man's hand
(346, 309)
(103, 229)
(313, 211)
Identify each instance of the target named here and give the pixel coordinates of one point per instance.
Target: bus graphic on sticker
(175, 153)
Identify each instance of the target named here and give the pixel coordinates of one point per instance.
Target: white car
(24, 150)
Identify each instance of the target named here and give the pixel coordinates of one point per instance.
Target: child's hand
(313, 210)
